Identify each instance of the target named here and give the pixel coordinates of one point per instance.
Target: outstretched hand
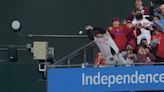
(88, 28)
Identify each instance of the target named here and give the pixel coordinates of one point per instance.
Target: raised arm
(88, 30)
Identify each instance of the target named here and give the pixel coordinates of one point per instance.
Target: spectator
(158, 44)
(144, 55)
(129, 56)
(156, 20)
(160, 13)
(139, 5)
(105, 42)
(143, 24)
(119, 34)
(132, 34)
(100, 60)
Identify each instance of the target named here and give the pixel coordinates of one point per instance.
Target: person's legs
(114, 46)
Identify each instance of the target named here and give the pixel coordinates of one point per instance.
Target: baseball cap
(99, 30)
(115, 19)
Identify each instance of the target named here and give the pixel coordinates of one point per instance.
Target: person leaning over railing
(105, 43)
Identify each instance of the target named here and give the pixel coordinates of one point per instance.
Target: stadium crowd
(137, 39)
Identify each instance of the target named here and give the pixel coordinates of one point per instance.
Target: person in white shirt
(105, 43)
(143, 24)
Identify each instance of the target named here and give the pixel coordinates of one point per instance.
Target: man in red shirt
(132, 33)
(119, 34)
(158, 40)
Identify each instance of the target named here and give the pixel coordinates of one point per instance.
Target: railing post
(69, 61)
(62, 60)
(85, 56)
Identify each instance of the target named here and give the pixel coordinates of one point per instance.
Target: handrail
(59, 36)
(19, 46)
(94, 65)
(52, 36)
(61, 61)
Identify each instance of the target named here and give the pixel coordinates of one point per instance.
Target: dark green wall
(20, 77)
(49, 17)
(58, 17)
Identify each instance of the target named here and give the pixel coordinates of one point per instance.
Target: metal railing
(75, 53)
(51, 36)
(107, 65)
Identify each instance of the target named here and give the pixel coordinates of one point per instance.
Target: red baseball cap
(115, 19)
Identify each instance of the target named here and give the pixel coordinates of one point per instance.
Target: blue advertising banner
(135, 78)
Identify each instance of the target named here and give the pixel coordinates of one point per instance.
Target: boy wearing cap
(119, 34)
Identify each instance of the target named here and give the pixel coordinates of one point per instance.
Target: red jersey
(132, 34)
(119, 35)
(160, 45)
